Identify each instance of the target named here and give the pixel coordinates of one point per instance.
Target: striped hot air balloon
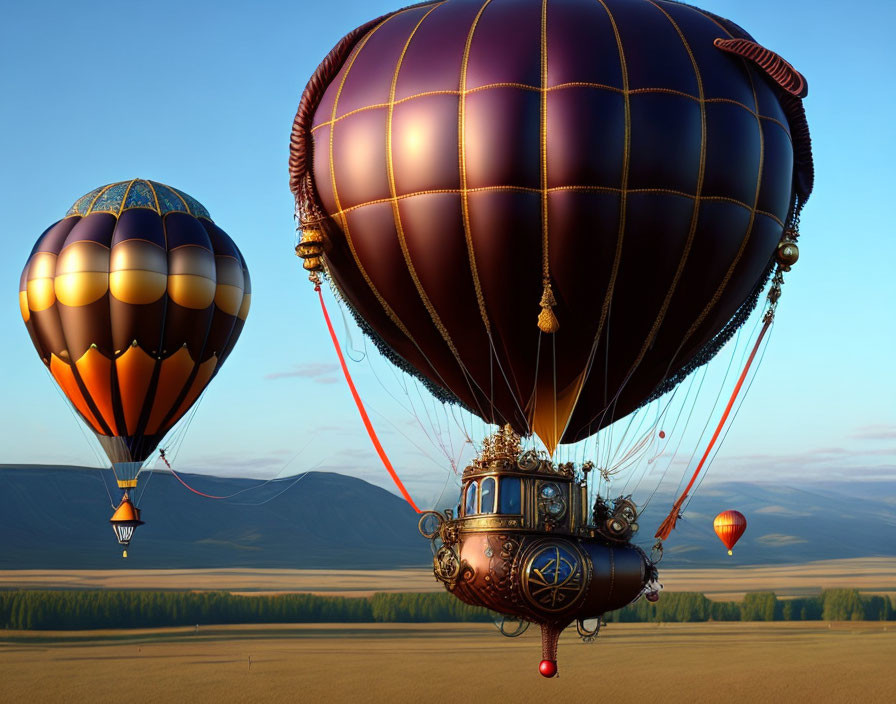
(729, 526)
(133, 301)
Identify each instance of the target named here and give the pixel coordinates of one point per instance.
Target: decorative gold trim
(623, 187)
(340, 213)
(578, 189)
(550, 89)
(695, 213)
(753, 212)
(462, 160)
(554, 593)
(547, 319)
(396, 214)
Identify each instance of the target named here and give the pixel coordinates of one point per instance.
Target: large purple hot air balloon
(550, 211)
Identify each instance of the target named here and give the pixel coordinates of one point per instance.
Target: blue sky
(201, 95)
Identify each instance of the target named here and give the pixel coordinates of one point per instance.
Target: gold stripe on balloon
(462, 164)
(623, 193)
(229, 298)
(137, 287)
(244, 307)
(191, 276)
(753, 212)
(343, 221)
(396, 212)
(23, 306)
(191, 291)
(42, 266)
(230, 279)
(39, 288)
(695, 212)
(138, 272)
(81, 288)
(82, 273)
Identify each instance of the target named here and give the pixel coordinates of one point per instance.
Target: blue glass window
(487, 500)
(510, 500)
(470, 506)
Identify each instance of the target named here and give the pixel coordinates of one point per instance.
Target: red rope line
(668, 524)
(364, 417)
(195, 491)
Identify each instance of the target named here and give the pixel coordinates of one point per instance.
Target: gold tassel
(547, 321)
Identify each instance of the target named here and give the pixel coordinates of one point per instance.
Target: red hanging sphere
(548, 668)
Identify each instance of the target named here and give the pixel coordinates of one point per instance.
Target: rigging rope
(668, 524)
(740, 404)
(364, 417)
(195, 491)
(275, 478)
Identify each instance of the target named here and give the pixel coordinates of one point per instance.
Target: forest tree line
(77, 610)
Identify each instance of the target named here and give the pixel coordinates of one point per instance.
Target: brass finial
(311, 248)
(547, 321)
(504, 444)
(788, 253)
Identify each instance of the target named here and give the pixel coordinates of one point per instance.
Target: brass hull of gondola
(547, 578)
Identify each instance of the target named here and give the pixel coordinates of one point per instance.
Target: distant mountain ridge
(57, 518)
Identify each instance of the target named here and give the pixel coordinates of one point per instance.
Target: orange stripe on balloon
(364, 417)
(95, 371)
(64, 376)
(134, 369)
(200, 381)
(173, 377)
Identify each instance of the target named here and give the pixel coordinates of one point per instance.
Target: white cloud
(320, 372)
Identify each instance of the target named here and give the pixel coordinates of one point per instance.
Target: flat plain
(872, 575)
(705, 662)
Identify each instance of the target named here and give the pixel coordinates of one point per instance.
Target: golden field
(875, 574)
(428, 663)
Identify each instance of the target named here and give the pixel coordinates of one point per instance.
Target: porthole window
(551, 501)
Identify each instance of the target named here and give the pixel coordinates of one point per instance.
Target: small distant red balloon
(662, 433)
(548, 668)
(729, 526)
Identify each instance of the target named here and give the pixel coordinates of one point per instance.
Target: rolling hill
(57, 518)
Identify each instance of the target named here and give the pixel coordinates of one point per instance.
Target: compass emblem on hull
(554, 575)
